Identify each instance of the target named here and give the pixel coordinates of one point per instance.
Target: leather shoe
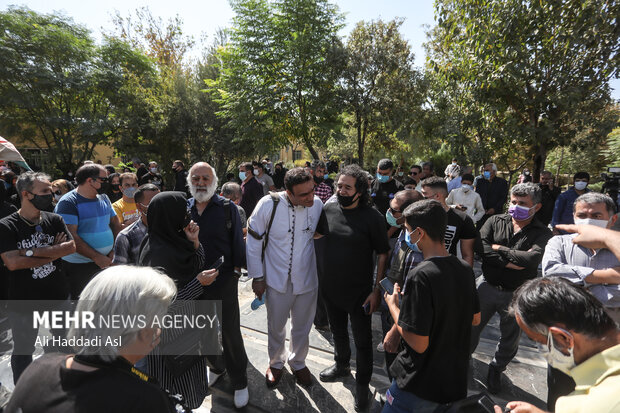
(494, 382)
(303, 376)
(334, 372)
(362, 397)
(273, 376)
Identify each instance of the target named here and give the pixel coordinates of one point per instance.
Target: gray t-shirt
(243, 216)
(266, 181)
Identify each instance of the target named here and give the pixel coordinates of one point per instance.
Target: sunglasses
(101, 178)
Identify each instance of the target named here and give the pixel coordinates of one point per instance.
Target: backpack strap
(275, 198)
(228, 214)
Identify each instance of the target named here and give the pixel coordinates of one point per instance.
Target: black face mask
(115, 187)
(42, 202)
(346, 201)
(318, 179)
(103, 188)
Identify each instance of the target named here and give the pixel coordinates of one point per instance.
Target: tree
(381, 84)
(59, 90)
(280, 72)
(541, 66)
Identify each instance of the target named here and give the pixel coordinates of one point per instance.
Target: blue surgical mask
(130, 192)
(414, 247)
(382, 178)
(326, 176)
(242, 176)
(391, 219)
(487, 175)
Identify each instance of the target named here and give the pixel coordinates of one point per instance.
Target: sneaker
(380, 348)
(242, 397)
(212, 376)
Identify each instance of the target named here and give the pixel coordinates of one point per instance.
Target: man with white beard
(221, 235)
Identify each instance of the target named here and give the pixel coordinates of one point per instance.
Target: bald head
(202, 181)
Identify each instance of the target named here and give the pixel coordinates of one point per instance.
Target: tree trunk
(539, 161)
(360, 142)
(557, 173)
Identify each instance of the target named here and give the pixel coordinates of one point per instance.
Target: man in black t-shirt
(434, 317)
(384, 186)
(153, 177)
(32, 242)
(356, 230)
(460, 226)
(180, 177)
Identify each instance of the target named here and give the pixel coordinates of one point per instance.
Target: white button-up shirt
(289, 256)
(471, 199)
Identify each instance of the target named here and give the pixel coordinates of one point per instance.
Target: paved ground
(525, 378)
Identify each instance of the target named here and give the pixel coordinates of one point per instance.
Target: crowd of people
(325, 251)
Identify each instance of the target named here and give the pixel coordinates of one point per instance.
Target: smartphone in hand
(217, 264)
(387, 285)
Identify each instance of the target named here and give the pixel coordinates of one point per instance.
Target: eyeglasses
(102, 178)
(394, 211)
(414, 173)
(58, 192)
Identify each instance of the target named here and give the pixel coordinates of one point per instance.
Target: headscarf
(166, 245)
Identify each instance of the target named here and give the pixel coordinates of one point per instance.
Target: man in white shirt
(466, 199)
(285, 270)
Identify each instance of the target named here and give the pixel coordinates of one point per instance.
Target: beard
(203, 193)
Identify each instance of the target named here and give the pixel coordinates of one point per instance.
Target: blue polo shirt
(563, 210)
(92, 217)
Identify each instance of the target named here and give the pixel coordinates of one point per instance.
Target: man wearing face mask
(125, 208)
(550, 194)
(493, 191)
(597, 270)
(512, 247)
(32, 242)
(92, 222)
(563, 210)
(263, 178)
(322, 190)
(452, 170)
(466, 199)
(384, 186)
(180, 177)
(153, 177)
(578, 337)
(251, 189)
(356, 231)
(128, 241)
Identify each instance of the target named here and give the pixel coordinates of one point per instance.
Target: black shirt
(46, 282)
(48, 386)
(354, 234)
(382, 194)
(155, 179)
(217, 239)
(460, 226)
(524, 249)
(545, 213)
(493, 193)
(439, 300)
(180, 181)
(252, 191)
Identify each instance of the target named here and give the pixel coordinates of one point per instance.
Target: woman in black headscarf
(172, 244)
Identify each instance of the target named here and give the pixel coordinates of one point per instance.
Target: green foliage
(59, 90)
(278, 85)
(535, 71)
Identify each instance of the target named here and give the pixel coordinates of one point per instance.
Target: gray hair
(493, 166)
(121, 290)
(231, 190)
(528, 189)
(317, 164)
(591, 198)
(25, 182)
(189, 175)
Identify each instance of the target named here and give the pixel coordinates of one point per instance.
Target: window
(296, 155)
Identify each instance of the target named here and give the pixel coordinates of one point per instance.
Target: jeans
(320, 317)
(386, 325)
(362, 336)
(234, 358)
(492, 301)
(401, 401)
(79, 275)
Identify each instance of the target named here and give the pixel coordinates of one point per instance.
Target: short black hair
(429, 215)
(544, 302)
(258, 165)
(467, 177)
(138, 197)
(296, 176)
(361, 181)
(110, 168)
(436, 183)
(418, 167)
(385, 164)
(407, 197)
(247, 166)
(317, 164)
(84, 172)
(581, 175)
(429, 164)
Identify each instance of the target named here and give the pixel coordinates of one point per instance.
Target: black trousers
(558, 384)
(362, 336)
(320, 317)
(233, 359)
(79, 275)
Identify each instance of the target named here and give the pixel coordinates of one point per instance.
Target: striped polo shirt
(92, 217)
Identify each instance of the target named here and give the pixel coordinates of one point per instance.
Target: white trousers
(301, 309)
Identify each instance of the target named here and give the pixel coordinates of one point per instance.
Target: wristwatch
(29, 253)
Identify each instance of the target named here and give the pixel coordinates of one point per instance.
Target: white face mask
(580, 185)
(154, 170)
(555, 357)
(466, 188)
(601, 223)
(256, 172)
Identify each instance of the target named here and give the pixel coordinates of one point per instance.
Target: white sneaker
(213, 377)
(242, 397)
